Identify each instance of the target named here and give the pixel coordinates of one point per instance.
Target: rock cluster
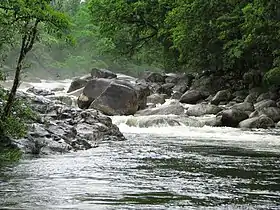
(61, 128)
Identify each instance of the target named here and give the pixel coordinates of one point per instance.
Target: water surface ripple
(153, 171)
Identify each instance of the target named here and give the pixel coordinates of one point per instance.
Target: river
(161, 167)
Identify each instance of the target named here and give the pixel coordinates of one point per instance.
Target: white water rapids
(191, 127)
(185, 166)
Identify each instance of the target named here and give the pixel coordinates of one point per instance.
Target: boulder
(156, 98)
(165, 89)
(102, 73)
(172, 78)
(262, 121)
(192, 97)
(221, 96)
(68, 100)
(184, 83)
(77, 84)
(166, 109)
(109, 96)
(278, 125)
(211, 83)
(155, 77)
(60, 128)
(268, 95)
(254, 114)
(244, 106)
(271, 112)
(143, 91)
(176, 95)
(233, 117)
(203, 109)
(39, 92)
(265, 103)
(252, 78)
(252, 97)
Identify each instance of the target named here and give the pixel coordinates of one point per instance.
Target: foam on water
(130, 124)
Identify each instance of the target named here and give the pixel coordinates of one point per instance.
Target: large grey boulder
(271, 112)
(233, 117)
(77, 84)
(192, 97)
(264, 104)
(111, 97)
(203, 109)
(59, 128)
(155, 77)
(167, 109)
(221, 96)
(156, 98)
(176, 95)
(102, 73)
(252, 97)
(262, 121)
(244, 106)
(40, 92)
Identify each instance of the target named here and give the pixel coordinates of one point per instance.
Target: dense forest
(65, 38)
(131, 36)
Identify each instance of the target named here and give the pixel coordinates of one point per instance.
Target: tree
(28, 18)
(136, 25)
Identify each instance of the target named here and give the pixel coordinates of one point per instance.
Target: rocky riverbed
(77, 115)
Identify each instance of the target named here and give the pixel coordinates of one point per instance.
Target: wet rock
(184, 83)
(142, 91)
(233, 117)
(102, 73)
(252, 97)
(173, 78)
(271, 112)
(166, 109)
(39, 92)
(221, 96)
(112, 97)
(156, 98)
(63, 129)
(211, 83)
(264, 104)
(64, 99)
(262, 121)
(245, 106)
(203, 109)
(268, 95)
(155, 77)
(192, 97)
(176, 95)
(58, 89)
(77, 84)
(165, 89)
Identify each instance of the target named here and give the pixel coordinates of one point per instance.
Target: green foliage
(14, 125)
(194, 34)
(8, 155)
(272, 77)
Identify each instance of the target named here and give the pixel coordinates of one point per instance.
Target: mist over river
(158, 167)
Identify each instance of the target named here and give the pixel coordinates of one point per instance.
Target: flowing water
(163, 167)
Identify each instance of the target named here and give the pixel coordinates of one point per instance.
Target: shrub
(272, 77)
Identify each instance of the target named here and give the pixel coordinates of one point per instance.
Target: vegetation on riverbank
(22, 23)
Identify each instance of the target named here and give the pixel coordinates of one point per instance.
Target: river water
(160, 167)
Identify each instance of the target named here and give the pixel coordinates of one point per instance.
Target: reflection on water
(150, 171)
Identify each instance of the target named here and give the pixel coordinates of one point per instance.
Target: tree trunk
(28, 40)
